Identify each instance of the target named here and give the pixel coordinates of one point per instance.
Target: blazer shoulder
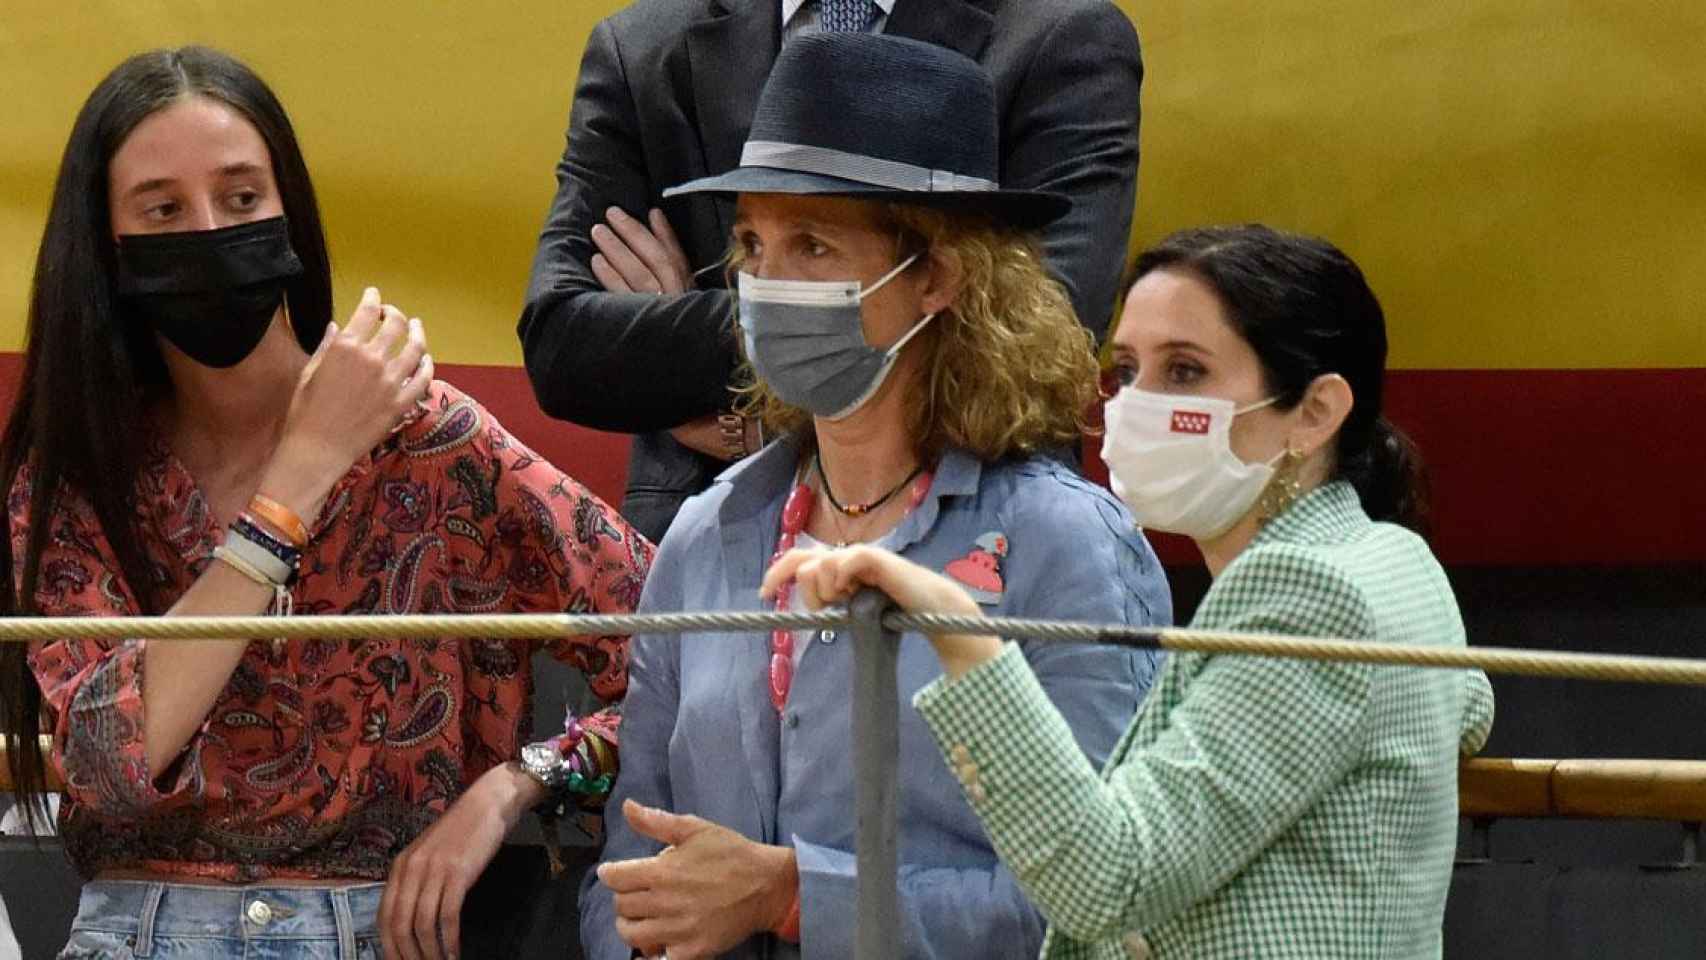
(650, 22)
(1293, 588)
(1063, 18)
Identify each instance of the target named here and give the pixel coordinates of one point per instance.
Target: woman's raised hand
(823, 576)
(831, 576)
(356, 388)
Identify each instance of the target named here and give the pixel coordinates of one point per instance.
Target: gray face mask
(806, 341)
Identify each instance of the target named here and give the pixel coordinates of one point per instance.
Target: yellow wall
(1525, 181)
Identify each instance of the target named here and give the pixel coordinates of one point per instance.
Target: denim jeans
(122, 920)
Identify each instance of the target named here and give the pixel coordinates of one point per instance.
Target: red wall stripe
(1530, 467)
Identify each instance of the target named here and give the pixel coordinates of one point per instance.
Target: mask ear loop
(1252, 408)
(895, 348)
(873, 288)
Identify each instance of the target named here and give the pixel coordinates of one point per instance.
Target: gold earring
(1283, 488)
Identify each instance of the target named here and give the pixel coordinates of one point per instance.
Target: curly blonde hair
(1010, 370)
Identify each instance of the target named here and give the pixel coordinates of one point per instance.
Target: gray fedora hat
(880, 118)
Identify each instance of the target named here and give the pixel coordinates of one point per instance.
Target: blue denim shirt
(700, 736)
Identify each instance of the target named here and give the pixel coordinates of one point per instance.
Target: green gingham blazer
(1256, 807)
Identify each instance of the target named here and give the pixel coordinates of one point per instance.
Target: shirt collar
(791, 7)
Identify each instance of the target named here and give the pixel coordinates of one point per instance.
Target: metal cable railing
(1538, 663)
(876, 627)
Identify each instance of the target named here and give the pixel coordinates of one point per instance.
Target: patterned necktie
(846, 16)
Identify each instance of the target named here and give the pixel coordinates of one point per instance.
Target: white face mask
(1170, 459)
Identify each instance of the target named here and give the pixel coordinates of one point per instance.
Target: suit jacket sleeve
(1072, 128)
(615, 361)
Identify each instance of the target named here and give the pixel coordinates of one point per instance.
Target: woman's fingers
(648, 936)
(426, 920)
(367, 316)
(392, 329)
(822, 577)
(852, 572)
(388, 909)
(638, 904)
(416, 386)
(397, 910)
(786, 569)
(408, 357)
(450, 916)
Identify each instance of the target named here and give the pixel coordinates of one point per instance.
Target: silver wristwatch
(542, 762)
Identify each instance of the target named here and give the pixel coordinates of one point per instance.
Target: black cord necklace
(860, 509)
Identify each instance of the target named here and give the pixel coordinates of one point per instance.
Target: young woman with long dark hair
(194, 435)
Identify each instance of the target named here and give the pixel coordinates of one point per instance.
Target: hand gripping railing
(876, 627)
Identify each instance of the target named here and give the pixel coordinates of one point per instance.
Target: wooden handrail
(1595, 789)
(1489, 787)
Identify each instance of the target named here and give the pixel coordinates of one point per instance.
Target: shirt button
(792, 720)
(259, 913)
(827, 636)
(1136, 947)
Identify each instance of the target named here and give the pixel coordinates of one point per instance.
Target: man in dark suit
(628, 324)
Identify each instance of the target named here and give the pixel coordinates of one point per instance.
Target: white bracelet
(260, 558)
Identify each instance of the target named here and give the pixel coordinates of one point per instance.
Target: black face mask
(211, 293)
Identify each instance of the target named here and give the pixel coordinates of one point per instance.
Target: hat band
(892, 174)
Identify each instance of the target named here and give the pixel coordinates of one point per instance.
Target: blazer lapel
(729, 55)
(956, 24)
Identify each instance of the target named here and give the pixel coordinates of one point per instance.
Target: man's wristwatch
(544, 763)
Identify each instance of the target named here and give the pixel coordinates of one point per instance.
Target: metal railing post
(876, 763)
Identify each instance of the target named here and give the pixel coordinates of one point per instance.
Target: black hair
(1306, 310)
(91, 373)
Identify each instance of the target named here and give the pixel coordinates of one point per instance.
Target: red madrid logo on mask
(1185, 421)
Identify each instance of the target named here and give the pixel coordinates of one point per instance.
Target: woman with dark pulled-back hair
(195, 436)
(1255, 807)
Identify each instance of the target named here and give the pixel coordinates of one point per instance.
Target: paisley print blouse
(327, 757)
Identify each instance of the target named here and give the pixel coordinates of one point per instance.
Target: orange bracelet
(789, 928)
(281, 517)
